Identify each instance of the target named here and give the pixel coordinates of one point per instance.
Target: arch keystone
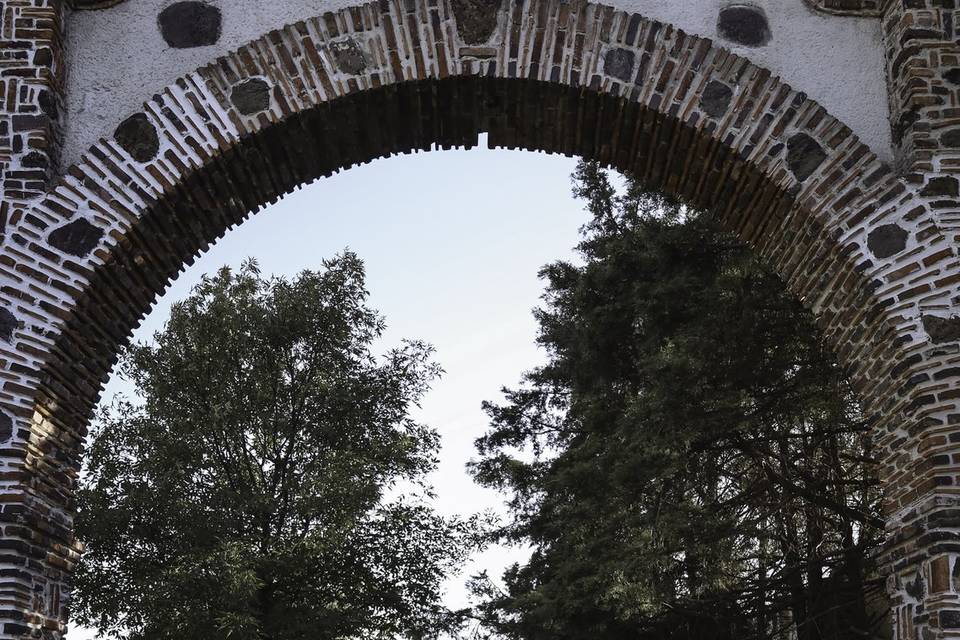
(476, 19)
(618, 63)
(349, 56)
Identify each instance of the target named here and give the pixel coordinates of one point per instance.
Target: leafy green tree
(690, 462)
(247, 494)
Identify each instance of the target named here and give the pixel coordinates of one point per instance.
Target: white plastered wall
(117, 57)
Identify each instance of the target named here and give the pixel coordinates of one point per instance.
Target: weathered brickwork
(31, 86)
(922, 439)
(923, 71)
(869, 248)
(31, 92)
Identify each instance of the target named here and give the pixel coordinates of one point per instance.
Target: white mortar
(118, 59)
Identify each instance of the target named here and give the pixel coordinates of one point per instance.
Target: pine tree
(690, 462)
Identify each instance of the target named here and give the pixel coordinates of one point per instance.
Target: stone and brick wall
(871, 250)
(120, 55)
(32, 70)
(31, 95)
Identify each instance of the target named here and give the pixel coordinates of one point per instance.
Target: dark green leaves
(245, 495)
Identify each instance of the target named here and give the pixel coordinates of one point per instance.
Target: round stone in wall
(887, 240)
(716, 99)
(137, 136)
(35, 160)
(942, 330)
(915, 588)
(744, 24)
(185, 25)
(950, 138)
(804, 155)
(941, 187)
(78, 238)
(48, 104)
(8, 324)
(251, 96)
(43, 57)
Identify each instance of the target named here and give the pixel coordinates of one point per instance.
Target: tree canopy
(690, 461)
(249, 491)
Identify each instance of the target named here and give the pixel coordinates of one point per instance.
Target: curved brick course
(871, 253)
(860, 8)
(92, 5)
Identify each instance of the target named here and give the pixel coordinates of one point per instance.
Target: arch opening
(667, 154)
(320, 189)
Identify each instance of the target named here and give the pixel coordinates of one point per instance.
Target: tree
(690, 462)
(246, 495)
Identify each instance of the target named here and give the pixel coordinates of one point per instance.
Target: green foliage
(245, 496)
(690, 462)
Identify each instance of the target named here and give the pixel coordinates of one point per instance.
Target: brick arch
(858, 244)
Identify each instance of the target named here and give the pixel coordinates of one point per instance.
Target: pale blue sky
(452, 242)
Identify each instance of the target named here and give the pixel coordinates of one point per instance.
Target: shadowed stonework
(871, 252)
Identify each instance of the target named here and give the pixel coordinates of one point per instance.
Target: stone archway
(864, 248)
